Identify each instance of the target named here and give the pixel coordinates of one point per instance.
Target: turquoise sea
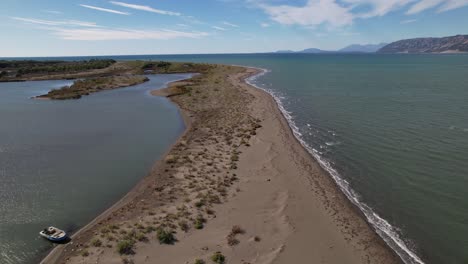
(392, 130)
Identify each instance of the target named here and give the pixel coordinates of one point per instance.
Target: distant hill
(314, 50)
(366, 48)
(311, 50)
(285, 51)
(355, 48)
(451, 44)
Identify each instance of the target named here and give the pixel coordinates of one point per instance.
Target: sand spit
(238, 183)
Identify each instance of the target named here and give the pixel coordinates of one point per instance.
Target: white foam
(382, 227)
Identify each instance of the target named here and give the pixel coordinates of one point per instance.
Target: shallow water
(64, 162)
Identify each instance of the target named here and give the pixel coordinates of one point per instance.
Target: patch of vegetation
(175, 67)
(232, 240)
(88, 86)
(218, 258)
(166, 236)
(184, 226)
(198, 224)
(150, 229)
(199, 261)
(127, 261)
(28, 67)
(141, 237)
(237, 230)
(125, 247)
(96, 242)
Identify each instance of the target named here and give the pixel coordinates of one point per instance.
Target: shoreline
(380, 226)
(54, 255)
(355, 239)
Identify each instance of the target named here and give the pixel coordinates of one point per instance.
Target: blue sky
(102, 27)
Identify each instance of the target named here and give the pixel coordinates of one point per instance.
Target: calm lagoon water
(64, 162)
(391, 129)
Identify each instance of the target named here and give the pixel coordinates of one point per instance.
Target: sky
(130, 27)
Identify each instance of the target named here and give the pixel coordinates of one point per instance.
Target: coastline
(314, 221)
(379, 225)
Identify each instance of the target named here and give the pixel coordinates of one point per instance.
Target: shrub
(218, 258)
(232, 240)
(198, 224)
(199, 261)
(84, 253)
(165, 236)
(200, 203)
(183, 225)
(237, 230)
(141, 237)
(125, 247)
(96, 242)
(127, 261)
(150, 229)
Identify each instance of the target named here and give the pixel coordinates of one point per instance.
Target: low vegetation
(218, 258)
(85, 87)
(165, 236)
(125, 247)
(96, 242)
(31, 67)
(174, 67)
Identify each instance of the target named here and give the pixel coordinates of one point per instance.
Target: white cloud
(315, 12)
(444, 5)
(105, 10)
(408, 21)
(81, 30)
(100, 34)
(145, 8)
(337, 13)
(52, 12)
(423, 5)
(230, 24)
(219, 28)
(56, 23)
(452, 4)
(378, 7)
(264, 25)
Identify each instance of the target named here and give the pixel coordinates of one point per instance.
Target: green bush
(165, 236)
(198, 224)
(125, 247)
(96, 242)
(218, 258)
(84, 253)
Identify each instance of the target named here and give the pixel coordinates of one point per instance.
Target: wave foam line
(383, 228)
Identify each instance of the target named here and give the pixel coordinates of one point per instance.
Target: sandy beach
(237, 182)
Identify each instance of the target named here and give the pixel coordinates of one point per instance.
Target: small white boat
(53, 234)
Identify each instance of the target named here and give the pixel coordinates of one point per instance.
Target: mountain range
(452, 44)
(354, 48)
